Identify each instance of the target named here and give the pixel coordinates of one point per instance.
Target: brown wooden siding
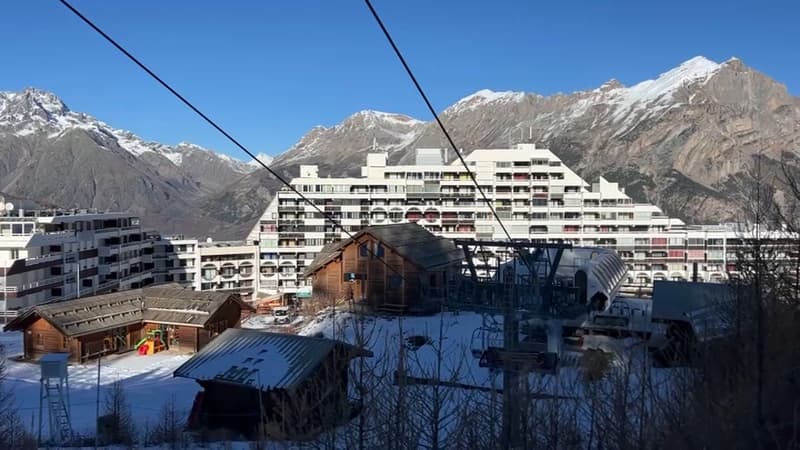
(187, 338)
(380, 285)
(328, 282)
(41, 337)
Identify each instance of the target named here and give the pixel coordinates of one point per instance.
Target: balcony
(43, 258)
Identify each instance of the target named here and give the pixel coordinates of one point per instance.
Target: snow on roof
(262, 360)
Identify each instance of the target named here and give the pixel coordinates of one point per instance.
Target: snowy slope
(146, 380)
(263, 158)
(34, 111)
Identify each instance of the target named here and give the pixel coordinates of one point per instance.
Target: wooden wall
(185, 338)
(328, 282)
(397, 285)
(41, 337)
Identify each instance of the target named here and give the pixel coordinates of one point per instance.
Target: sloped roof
(679, 300)
(262, 360)
(412, 241)
(328, 253)
(417, 244)
(158, 304)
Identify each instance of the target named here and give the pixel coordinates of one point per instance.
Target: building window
(379, 251)
(395, 281)
(363, 251)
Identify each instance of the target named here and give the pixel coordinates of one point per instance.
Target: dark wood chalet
(394, 268)
(271, 384)
(92, 326)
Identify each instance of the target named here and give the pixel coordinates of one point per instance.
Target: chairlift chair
(484, 338)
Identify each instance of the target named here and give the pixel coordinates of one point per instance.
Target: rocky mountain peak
(610, 85)
(483, 97)
(681, 140)
(31, 100)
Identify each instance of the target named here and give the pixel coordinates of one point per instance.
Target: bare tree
(168, 429)
(12, 431)
(116, 425)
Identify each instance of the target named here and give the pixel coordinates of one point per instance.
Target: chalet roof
(328, 253)
(417, 244)
(262, 360)
(157, 304)
(413, 242)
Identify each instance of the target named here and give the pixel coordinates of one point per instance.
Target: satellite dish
(9, 207)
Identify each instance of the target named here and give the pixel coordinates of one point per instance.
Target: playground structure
(154, 342)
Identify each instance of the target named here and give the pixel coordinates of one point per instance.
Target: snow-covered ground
(266, 322)
(146, 380)
(448, 337)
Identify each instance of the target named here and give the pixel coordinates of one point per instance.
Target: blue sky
(269, 71)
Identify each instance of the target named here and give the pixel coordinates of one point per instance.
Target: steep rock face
(684, 140)
(341, 149)
(56, 156)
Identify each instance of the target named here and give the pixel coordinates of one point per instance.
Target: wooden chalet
(92, 326)
(419, 265)
(271, 384)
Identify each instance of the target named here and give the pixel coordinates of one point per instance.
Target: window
(379, 251)
(363, 251)
(39, 339)
(395, 281)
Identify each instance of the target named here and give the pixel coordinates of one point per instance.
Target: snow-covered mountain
(683, 140)
(360, 133)
(263, 158)
(52, 154)
(41, 113)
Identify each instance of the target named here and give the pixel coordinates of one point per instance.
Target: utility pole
(78, 277)
(511, 375)
(97, 408)
(260, 409)
(5, 295)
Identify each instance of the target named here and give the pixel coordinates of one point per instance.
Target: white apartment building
(536, 196)
(207, 266)
(52, 255)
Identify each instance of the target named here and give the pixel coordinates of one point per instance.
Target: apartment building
(535, 195)
(53, 255)
(228, 266)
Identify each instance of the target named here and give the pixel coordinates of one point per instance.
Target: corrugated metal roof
(677, 300)
(261, 360)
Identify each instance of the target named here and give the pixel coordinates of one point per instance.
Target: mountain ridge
(682, 140)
